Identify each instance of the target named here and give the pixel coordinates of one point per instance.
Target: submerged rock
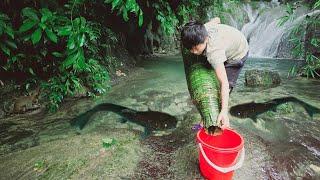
(262, 78)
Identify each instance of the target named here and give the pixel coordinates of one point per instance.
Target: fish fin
(254, 118)
(311, 110)
(145, 133)
(81, 121)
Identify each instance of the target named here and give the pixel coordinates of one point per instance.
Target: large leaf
(82, 40)
(70, 60)
(36, 36)
(115, 3)
(10, 32)
(31, 71)
(30, 13)
(53, 37)
(140, 18)
(71, 44)
(46, 14)
(65, 31)
(57, 54)
(42, 25)
(125, 14)
(5, 49)
(28, 24)
(317, 4)
(81, 61)
(11, 44)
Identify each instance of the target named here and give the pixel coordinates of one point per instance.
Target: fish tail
(311, 110)
(80, 121)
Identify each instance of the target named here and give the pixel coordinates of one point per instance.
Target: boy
(226, 49)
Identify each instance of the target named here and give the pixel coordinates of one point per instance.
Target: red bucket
(218, 155)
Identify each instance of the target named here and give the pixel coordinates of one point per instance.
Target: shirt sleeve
(216, 57)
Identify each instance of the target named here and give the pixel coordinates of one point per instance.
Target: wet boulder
(262, 78)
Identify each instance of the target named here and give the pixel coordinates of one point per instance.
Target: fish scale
(203, 87)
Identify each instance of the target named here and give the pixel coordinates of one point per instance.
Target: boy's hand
(223, 119)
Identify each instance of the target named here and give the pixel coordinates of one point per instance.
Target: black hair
(192, 34)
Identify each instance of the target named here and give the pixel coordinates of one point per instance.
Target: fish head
(243, 110)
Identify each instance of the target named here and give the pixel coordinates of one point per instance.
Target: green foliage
(60, 86)
(303, 41)
(39, 23)
(77, 69)
(166, 16)
(125, 6)
(6, 35)
(39, 165)
(285, 108)
(108, 142)
(70, 43)
(78, 32)
(288, 17)
(98, 77)
(316, 4)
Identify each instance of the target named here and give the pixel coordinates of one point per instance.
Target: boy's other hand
(223, 119)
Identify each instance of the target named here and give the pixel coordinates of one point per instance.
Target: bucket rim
(233, 149)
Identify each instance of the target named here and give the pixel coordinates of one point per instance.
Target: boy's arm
(224, 85)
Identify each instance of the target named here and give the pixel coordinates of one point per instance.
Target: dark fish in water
(150, 120)
(252, 110)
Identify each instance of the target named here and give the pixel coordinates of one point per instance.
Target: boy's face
(198, 49)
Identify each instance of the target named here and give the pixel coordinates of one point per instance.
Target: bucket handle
(223, 169)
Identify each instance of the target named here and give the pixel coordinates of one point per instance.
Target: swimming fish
(150, 120)
(252, 109)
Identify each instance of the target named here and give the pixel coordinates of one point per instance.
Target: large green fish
(203, 87)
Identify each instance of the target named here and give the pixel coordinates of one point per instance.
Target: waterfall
(263, 33)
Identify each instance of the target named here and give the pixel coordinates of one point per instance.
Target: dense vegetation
(68, 45)
(305, 38)
(71, 45)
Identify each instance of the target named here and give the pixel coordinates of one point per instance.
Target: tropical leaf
(30, 13)
(5, 49)
(65, 31)
(28, 24)
(36, 36)
(57, 54)
(11, 44)
(53, 37)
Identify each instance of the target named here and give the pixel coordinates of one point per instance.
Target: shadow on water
(150, 120)
(252, 109)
